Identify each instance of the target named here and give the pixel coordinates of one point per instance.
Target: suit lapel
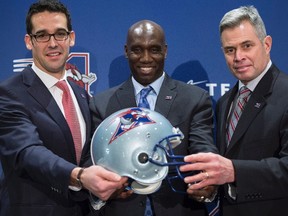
(40, 93)
(37, 89)
(166, 96)
(255, 105)
(223, 112)
(125, 95)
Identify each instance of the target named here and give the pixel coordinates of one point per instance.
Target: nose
(52, 42)
(145, 57)
(238, 55)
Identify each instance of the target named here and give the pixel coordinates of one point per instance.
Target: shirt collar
(253, 83)
(48, 80)
(156, 85)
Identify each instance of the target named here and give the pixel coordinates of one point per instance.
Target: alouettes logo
(130, 119)
(77, 66)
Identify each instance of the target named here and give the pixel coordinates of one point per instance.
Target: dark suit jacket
(190, 109)
(37, 150)
(259, 148)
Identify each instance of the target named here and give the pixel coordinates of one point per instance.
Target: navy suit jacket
(258, 149)
(36, 147)
(189, 108)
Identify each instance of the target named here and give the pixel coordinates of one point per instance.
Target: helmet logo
(130, 119)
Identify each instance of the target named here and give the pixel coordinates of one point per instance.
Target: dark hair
(46, 5)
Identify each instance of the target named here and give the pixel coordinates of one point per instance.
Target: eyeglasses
(45, 37)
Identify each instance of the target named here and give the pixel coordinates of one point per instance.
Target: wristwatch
(78, 178)
(76, 183)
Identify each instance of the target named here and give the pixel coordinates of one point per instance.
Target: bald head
(146, 51)
(145, 27)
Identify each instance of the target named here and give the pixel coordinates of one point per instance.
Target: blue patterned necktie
(143, 97)
(143, 102)
(148, 209)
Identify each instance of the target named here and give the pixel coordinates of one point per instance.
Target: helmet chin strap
(175, 141)
(140, 188)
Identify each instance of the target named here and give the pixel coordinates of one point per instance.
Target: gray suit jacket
(189, 108)
(259, 148)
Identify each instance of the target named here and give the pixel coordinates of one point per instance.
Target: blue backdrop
(97, 60)
(191, 26)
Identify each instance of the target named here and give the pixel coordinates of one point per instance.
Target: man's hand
(122, 193)
(215, 170)
(209, 192)
(101, 182)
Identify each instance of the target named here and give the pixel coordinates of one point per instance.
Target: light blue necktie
(143, 102)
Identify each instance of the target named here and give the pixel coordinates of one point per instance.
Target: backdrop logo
(212, 88)
(77, 66)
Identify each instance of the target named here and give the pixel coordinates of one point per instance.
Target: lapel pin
(83, 96)
(168, 97)
(257, 105)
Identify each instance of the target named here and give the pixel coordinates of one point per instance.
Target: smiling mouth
(53, 54)
(241, 68)
(146, 69)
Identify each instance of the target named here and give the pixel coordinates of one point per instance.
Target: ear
(126, 51)
(268, 43)
(166, 50)
(28, 42)
(72, 38)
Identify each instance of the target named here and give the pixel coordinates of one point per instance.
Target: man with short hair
(41, 114)
(252, 124)
(187, 107)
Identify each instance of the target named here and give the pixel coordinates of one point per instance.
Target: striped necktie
(241, 102)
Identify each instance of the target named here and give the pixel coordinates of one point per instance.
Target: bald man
(187, 107)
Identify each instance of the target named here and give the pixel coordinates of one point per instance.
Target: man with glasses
(41, 155)
(60, 35)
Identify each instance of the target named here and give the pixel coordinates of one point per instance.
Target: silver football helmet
(136, 142)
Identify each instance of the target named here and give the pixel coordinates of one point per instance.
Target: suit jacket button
(141, 203)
